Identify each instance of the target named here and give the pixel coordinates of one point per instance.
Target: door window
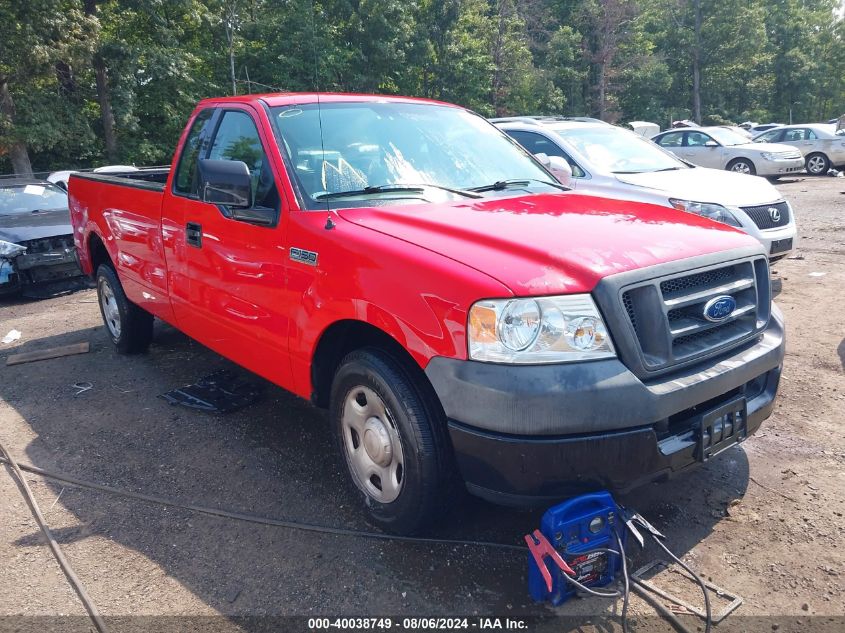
(773, 136)
(672, 139)
(697, 139)
(237, 139)
(196, 142)
(539, 144)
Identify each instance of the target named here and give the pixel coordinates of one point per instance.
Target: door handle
(193, 234)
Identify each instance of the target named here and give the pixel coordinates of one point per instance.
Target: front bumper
(776, 241)
(779, 167)
(531, 434)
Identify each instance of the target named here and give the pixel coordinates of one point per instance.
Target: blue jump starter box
(576, 529)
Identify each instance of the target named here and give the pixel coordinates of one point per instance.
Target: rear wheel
(742, 166)
(129, 326)
(817, 164)
(391, 433)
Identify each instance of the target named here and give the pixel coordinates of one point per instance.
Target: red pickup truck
(463, 317)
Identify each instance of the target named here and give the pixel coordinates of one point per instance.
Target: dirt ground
(764, 520)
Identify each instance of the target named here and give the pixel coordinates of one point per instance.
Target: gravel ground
(764, 520)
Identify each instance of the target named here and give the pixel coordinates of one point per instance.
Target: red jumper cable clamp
(541, 548)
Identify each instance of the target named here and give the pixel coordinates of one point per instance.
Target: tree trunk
(18, 153)
(696, 64)
(602, 90)
(101, 76)
(106, 112)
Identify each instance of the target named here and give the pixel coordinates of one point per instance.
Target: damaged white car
(36, 240)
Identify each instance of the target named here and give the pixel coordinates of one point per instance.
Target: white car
(613, 162)
(820, 144)
(721, 148)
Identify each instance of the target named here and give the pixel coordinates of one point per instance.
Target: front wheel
(742, 166)
(129, 326)
(391, 433)
(817, 164)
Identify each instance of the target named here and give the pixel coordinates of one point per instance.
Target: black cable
(708, 620)
(627, 592)
(643, 592)
(251, 518)
(71, 576)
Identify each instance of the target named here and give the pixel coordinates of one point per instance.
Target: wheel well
(340, 339)
(98, 252)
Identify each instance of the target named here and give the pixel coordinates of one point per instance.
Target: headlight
(542, 330)
(10, 249)
(767, 156)
(706, 209)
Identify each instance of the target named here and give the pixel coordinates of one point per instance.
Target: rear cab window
(185, 180)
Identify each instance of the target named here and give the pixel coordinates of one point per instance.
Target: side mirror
(711, 143)
(225, 182)
(558, 167)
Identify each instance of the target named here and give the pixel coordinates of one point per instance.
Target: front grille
(763, 216)
(668, 318)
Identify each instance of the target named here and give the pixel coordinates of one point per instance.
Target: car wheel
(129, 326)
(817, 164)
(391, 432)
(742, 166)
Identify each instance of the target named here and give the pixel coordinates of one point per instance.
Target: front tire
(817, 164)
(391, 433)
(129, 326)
(742, 166)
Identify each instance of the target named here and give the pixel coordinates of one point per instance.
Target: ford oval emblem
(719, 308)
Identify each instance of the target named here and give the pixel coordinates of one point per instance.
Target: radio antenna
(329, 223)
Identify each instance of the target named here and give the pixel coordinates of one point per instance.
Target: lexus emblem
(774, 213)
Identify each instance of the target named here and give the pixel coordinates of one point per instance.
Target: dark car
(36, 238)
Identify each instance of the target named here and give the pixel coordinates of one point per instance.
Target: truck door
(229, 273)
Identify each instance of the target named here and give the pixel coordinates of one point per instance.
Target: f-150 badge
(301, 255)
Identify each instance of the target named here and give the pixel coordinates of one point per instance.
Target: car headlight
(543, 330)
(767, 156)
(706, 209)
(10, 249)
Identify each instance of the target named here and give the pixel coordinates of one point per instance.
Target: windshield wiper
(499, 185)
(397, 188)
(369, 190)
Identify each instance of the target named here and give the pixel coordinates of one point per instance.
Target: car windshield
(32, 197)
(381, 152)
(727, 137)
(619, 151)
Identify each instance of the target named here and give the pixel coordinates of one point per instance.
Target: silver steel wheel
(816, 164)
(741, 167)
(372, 444)
(108, 302)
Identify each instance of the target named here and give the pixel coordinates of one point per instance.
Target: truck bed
(152, 179)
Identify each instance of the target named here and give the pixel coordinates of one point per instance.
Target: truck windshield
(381, 152)
(618, 151)
(16, 199)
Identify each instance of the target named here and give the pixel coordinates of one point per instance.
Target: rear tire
(391, 433)
(129, 326)
(742, 166)
(817, 164)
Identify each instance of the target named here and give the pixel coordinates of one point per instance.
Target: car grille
(766, 219)
(786, 155)
(667, 313)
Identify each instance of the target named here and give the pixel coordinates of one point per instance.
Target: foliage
(85, 82)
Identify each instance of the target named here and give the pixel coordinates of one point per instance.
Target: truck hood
(551, 243)
(701, 184)
(22, 227)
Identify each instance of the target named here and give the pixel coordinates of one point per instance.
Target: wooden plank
(45, 354)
